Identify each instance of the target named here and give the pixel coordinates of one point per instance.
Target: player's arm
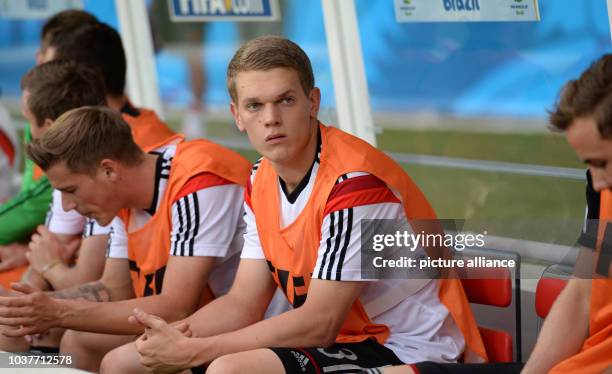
(88, 267)
(201, 233)
(565, 328)
(315, 324)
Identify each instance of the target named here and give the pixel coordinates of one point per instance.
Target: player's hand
(12, 256)
(31, 312)
(163, 348)
(45, 250)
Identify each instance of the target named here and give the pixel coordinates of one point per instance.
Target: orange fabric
(37, 173)
(292, 251)
(149, 131)
(9, 276)
(596, 353)
(149, 246)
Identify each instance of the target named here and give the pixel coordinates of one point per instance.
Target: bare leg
(255, 361)
(88, 349)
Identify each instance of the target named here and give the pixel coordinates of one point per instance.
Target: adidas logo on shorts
(301, 359)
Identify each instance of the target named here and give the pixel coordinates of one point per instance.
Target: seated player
(177, 234)
(304, 205)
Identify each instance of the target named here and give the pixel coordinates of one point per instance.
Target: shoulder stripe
(338, 237)
(347, 240)
(200, 182)
(196, 222)
(332, 218)
(357, 191)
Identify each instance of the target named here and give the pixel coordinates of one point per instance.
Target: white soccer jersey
(422, 328)
(206, 222)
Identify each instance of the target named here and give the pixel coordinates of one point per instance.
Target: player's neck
(140, 183)
(293, 171)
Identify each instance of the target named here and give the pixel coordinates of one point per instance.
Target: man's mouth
(275, 138)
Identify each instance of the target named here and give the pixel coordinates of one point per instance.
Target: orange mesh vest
(149, 246)
(596, 353)
(292, 251)
(149, 131)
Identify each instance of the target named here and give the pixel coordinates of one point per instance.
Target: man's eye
(253, 106)
(288, 100)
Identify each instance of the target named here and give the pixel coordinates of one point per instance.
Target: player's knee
(113, 362)
(226, 364)
(74, 343)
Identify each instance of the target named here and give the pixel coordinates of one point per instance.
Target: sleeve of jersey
(588, 236)
(204, 221)
(93, 228)
(252, 246)
(118, 241)
(61, 222)
(354, 199)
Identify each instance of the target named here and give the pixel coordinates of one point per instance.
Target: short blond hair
(82, 138)
(266, 53)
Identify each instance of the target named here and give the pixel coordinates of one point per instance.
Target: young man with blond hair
(304, 203)
(176, 237)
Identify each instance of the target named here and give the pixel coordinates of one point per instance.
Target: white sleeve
(339, 254)
(252, 246)
(61, 222)
(118, 241)
(93, 228)
(205, 222)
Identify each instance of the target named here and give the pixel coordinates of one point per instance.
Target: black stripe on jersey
(347, 240)
(185, 201)
(153, 206)
(196, 221)
(342, 178)
(332, 218)
(332, 257)
(89, 228)
(180, 230)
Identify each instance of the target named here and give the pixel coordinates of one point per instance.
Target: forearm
(300, 328)
(564, 330)
(224, 314)
(112, 317)
(62, 276)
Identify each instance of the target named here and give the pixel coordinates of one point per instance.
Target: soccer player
(176, 238)
(304, 205)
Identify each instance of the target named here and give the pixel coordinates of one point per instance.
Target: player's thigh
(255, 361)
(123, 359)
(100, 344)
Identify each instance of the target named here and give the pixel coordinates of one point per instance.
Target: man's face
(91, 196)
(594, 150)
(277, 115)
(38, 129)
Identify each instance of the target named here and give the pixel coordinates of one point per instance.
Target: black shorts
(495, 368)
(339, 358)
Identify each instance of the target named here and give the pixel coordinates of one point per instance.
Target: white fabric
(421, 326)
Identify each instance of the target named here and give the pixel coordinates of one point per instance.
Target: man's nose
(271, 115)
(68, 203)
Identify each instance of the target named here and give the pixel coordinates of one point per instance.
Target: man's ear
(236, 115)
(315, 102)
(46, 124)
(109, 170)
